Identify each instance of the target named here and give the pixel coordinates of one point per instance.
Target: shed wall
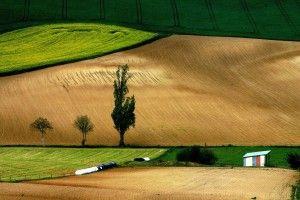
(248, 161)
(262, 161)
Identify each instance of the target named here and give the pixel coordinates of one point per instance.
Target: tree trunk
(43, 139)
(83, 139)
(121, 143)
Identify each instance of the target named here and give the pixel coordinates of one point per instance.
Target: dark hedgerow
(198, 155)
(294, 160)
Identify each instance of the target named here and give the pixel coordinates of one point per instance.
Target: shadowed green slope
(274, 19)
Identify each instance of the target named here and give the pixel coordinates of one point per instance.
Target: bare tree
(42, 125)
(123, 113)
(84, 125)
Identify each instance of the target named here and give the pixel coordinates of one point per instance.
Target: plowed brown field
(189, 90)
(162, 183)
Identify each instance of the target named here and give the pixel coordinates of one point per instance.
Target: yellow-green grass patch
(27, 163)
(45, 45)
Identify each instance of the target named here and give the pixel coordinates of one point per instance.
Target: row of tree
(122, 115)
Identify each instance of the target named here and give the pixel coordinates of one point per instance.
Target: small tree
(42, 125)
(294, 160)
(84, 125)
(198, 155)
(123, 113)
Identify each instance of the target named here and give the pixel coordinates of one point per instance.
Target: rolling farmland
(44, 45)
(221, 90)
(27, 163)
(276, 19)
(231, 94)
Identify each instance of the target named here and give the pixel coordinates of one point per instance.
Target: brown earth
(189, 90)
(162, 183)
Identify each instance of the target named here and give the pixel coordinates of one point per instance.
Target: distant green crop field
(20, 163)
(274, 19)
(43, 45)
(233, 156)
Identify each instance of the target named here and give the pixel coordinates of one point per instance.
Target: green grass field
(232, 156)
(274, 19)
(44, 45)
(20, 163)
(28, 163)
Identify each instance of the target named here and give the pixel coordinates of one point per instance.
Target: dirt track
(162, 183)
(189, 90)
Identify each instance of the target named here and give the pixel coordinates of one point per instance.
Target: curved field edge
(46, 45)
(29, 163)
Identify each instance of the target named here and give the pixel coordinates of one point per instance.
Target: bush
(197, 155)
(294, 160)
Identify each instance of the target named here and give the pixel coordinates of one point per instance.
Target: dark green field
(275, 19)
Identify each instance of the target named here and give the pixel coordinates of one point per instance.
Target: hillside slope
(189, 90)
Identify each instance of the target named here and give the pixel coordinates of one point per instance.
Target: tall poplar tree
(123, 113)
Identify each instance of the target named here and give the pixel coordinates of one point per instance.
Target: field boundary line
(212, 15)
(139, 11)
(62, 9)
(28, 10)
(24, 11)
(101, 9)
(249, 16)
(285, 15)
(175, 12)
(66, 11)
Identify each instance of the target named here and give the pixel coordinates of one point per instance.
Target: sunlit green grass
(27, 163)
(44, 45)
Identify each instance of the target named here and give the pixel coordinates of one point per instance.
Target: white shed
(259, 159)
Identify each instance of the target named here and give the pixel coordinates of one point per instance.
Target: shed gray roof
(258, 153)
